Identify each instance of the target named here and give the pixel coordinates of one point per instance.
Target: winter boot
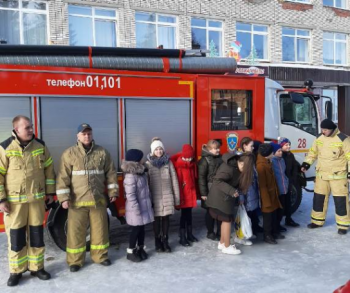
(291, 223)
(313, 226)
(141, 252)
(159, 244)
(132, 255)
(211, 236)
(183, 241)
(166, 246)
(269, 239)
(190, 236)
(14, 280)
(41, 274)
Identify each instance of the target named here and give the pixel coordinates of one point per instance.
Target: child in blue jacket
(279, 170)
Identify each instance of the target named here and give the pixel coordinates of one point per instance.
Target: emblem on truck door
(232, 141)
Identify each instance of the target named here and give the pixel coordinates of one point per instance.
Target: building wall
(274, 13)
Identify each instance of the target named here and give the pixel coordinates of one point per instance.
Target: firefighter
(27, 179)
(84, 170)
(332, 150)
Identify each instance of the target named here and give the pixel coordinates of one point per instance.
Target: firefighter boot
(167, 248)
(132, 255)
(190, 236)
(41, 274)
(313, 226)
(342, 232)
(106, 262)
(14, 280)
(183, 241)
(74, 268)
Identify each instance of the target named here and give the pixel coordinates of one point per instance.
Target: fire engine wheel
(58, 229)
(296, 196)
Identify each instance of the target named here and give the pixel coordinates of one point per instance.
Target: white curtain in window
(9, 27)
(146, 35)
(80, 31)
(166, 37)
(34, 29)
(105, 34)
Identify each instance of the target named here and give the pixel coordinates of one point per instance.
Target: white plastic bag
(243, 225)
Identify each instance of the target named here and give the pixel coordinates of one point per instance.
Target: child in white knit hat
(164, 192)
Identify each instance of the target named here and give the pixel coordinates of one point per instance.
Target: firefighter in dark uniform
(331, 149)
(27, 178)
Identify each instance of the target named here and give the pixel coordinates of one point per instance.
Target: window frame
(208, 28)
(334, 5)
(334, 44)
(296, 37)
(22, 10)
(93, 17)
(300, 1)
(252, 33)
(156, 23)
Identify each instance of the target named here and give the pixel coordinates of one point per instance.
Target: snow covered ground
(306, 261)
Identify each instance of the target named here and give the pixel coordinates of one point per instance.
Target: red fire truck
(129, 96)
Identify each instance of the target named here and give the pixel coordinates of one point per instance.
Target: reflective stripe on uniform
(96, 247)
(312, 150)
(318, 219)
(37, 152)
(318, 142)
(15, 198)
(3, 171)
(331, 177)
(111, 186)
(335, 144)
(48, 162)
(88, 203)
(347, 155)
(75, 250)
(36, 259)
(39, 195)
(88, 172)
(347, 224)
(50, 181)
(14, 154)
(17, 262)
(62, 191)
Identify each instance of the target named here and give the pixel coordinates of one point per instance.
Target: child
(207, 167)
(292, 167)
(268, 194)
(234, 174)
(186, 170)
(164, 192)
(279, 170)
(138, 207)
(252, 198)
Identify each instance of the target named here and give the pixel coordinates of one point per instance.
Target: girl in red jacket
(186, 170)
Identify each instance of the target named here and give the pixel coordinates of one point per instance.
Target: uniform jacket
(332, 155)
(225, 184)
(279, 170)
(26, 172)
(187, 178)
(207, 167)
(163, 184)
(138, 207)
(267, 185)
(83, 175)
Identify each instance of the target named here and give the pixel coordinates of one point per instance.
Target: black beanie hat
(134, 155)
(265, 149)
(328, 124)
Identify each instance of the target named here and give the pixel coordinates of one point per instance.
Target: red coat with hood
(187, 177)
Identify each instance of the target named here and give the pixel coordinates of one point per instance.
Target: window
(207, 35)
(153, 30)
(90, 26)
(333, 94)
(334, 48)
(231, 110)
(23, 22)
(335, 3)
(302, 116)
(295, 45)
(254, 40)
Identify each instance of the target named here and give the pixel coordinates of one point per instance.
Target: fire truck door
(60, 118)
(9, 108)
(168, 119)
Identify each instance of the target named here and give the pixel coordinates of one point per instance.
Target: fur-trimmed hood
(132, 167)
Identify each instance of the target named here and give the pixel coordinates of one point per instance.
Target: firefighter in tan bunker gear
(84, 170)
(27, 178)
(332, 150)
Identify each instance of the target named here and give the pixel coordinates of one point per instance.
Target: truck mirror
(329, 110)
(297, 98)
